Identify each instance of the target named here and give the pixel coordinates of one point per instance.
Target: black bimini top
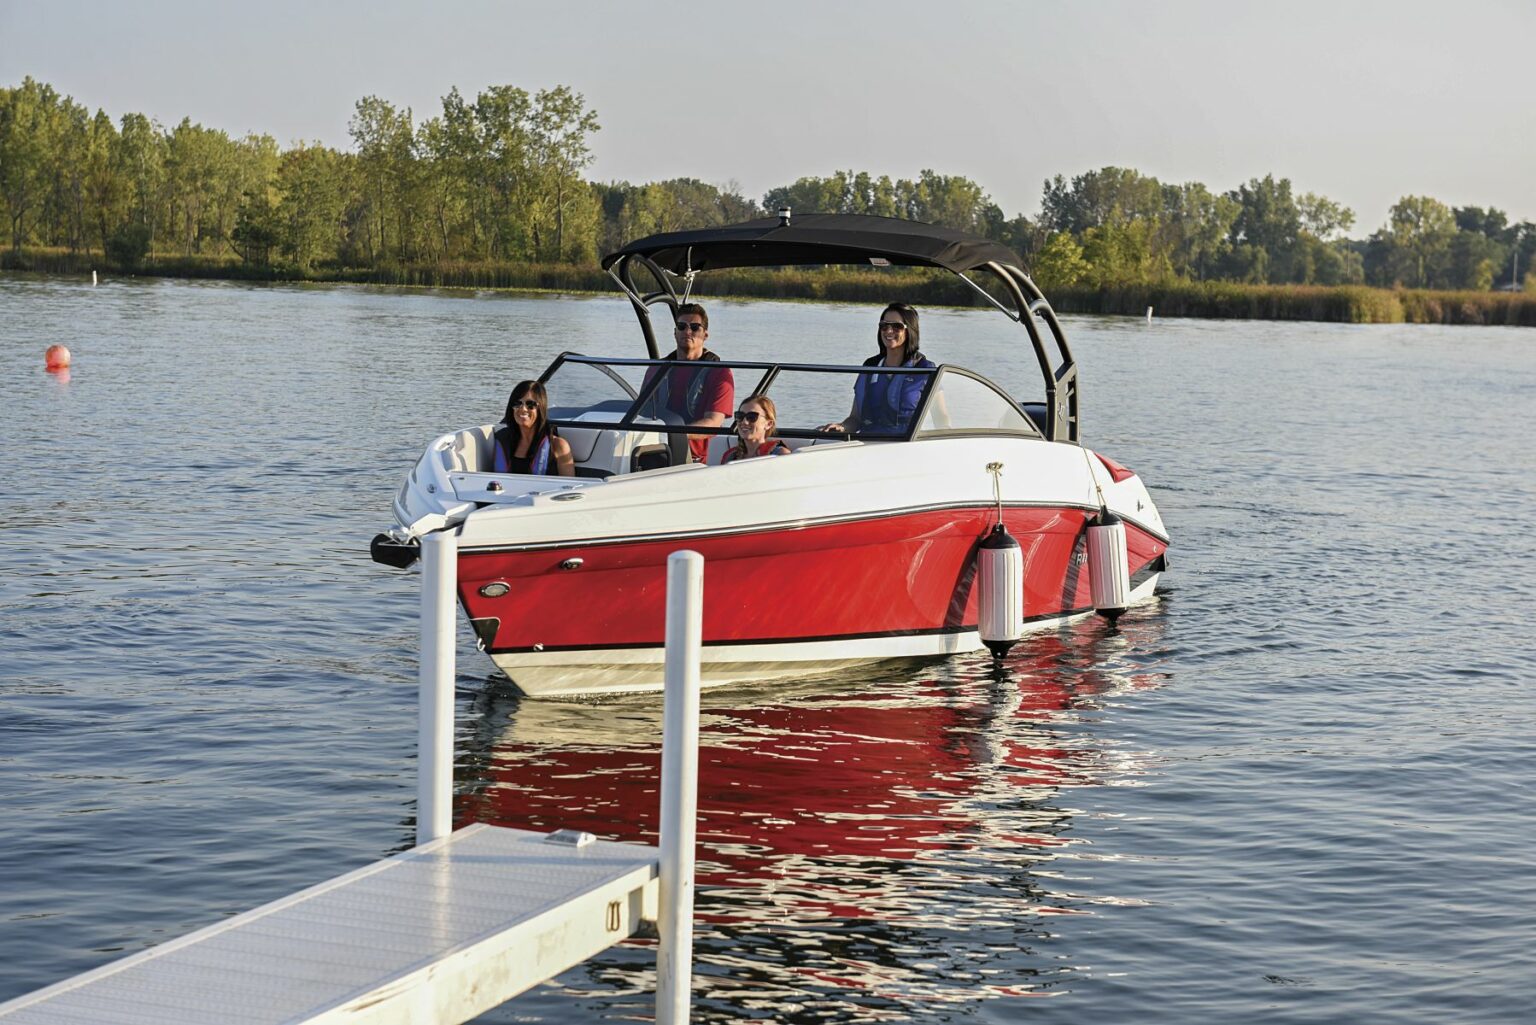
(817, 239)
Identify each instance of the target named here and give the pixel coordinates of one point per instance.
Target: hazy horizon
(1363, 103)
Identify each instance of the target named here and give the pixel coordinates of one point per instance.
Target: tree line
(502, 179)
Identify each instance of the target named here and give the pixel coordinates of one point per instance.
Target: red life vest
(770, 447)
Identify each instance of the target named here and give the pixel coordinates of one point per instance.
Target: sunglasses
(689, 326)
(748, 416)
(886, 325)
(525, 404)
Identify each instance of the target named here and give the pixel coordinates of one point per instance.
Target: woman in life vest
(528, 444)
(755, 421)
(885, 403)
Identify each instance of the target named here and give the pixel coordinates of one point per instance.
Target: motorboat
(862, 544)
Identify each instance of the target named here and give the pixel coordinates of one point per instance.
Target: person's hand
(837, 427)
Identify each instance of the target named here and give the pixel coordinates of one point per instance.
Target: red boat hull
(904, 574)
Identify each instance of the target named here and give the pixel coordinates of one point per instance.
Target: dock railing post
(434, 737)
(679, 786)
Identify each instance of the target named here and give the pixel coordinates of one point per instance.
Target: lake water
(1299, 788)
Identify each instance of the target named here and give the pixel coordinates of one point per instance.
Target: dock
(442, 932)
(453, 927)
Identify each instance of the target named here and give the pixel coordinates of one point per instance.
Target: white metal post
(434, 737)
(679, 785)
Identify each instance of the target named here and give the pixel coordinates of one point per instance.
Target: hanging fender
(1000, 590)
(1109, 572)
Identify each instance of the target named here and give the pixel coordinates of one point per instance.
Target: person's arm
(565, 465)
(847, 423)
(721, 397)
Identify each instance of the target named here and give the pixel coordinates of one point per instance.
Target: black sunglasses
(525, 404)
(890, 325)
(690, 326)
(747, 415)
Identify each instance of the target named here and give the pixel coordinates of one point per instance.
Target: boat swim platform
(440, 933)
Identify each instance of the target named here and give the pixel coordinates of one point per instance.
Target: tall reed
(1357, 304)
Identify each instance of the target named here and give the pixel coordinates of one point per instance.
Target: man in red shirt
(702, 397)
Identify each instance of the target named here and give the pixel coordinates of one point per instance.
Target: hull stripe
(941, 631)
(794, 525)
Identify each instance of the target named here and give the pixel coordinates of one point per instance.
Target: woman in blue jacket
(886, 403)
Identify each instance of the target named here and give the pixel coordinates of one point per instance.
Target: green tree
(1110, 196)
(1266, 231)
(106, 188)
(386, 168)
(25, 172)
(201, 184)
(834, 194)
(1060, 262)
(559, 127)
(140, 158)
(1472, 260)
(258, 227)
(128, 244)
(503, 164)
(1491, 223)
(1419, 232)
(1196, 225)
(952, 201)
(311, 184)
(1123, 253)
(1322, 218)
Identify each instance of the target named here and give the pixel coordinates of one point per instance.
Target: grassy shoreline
(1354, 304)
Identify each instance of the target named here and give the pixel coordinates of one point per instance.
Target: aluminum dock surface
(439, 933)
(456, 925)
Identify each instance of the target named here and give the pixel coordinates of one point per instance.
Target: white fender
(1000, 591)
(1109, 571)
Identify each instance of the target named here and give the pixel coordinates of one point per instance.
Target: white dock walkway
(452, 927)
(440, 933)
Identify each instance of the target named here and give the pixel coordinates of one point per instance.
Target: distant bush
(40, 260)
(1514, 309)
(128, 245)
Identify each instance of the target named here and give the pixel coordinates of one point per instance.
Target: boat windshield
(589, 392)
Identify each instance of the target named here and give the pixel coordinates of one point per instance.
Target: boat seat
(718, 443)
(583, 441)
(470, 451)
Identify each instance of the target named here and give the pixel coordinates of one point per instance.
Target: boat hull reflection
(853, 830)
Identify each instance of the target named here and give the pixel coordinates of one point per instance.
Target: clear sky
(1363, 102)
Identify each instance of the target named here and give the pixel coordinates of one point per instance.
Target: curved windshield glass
(662, 394)
(963, 403)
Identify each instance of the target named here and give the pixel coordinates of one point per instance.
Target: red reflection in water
(872, 839)
(883, 769)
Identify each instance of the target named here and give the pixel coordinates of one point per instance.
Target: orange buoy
(57, 357)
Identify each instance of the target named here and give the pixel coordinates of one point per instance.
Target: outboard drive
(387, 551)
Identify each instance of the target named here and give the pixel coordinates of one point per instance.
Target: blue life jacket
(887, 402)
(504, 442)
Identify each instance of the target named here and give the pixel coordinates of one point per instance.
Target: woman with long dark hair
(885, 403)
(528, 444)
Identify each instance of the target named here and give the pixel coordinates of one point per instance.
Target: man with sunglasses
(701, 396)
